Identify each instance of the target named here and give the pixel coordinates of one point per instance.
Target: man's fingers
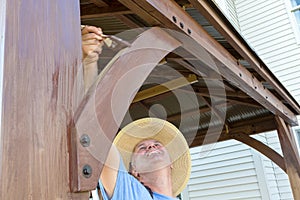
(91, 36)
(91, 29)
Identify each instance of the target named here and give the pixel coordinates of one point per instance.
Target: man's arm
(110, 170)
(92, 42)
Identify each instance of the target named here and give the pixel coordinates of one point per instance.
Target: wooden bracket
(100, 114)
(261, 147)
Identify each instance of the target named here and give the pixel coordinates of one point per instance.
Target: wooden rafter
(99, 3)
(214, 110)
(91, 11)
(165, 87)
(228, 66)
(127, 21)
(254, 126)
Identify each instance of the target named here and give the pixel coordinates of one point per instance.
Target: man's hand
(92, 42)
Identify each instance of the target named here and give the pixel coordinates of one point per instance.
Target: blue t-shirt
(129, 188)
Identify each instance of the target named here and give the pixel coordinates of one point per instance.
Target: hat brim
(167, 134)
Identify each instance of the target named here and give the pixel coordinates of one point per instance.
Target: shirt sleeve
(127, 187)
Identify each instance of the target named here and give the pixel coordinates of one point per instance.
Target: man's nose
(151, 146)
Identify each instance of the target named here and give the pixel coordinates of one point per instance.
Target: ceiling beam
(232, 37)
(140, 12)
(165, 87)
(254, 126)
(170, 12)
(91, 11)
(130, 23)
(99, 3)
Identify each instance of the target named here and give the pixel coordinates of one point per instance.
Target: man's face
(150, 155)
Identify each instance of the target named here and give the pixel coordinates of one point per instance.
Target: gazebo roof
(227, 92)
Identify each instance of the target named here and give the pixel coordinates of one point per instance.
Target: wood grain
(42, 58)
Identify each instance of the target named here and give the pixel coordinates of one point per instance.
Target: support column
(40, 54)
(290, 155)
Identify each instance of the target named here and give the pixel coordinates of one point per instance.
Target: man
(152, 150)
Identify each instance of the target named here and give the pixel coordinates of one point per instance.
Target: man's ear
(135, 174)
(132, 171)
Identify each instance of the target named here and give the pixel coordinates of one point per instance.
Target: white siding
(225, 172)
(267, 27)
(229, 10)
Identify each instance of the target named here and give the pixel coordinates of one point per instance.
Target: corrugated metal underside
(198, 113)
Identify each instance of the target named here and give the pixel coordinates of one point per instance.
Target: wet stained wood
(42, 58)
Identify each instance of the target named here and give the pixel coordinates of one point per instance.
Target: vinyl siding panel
(267, 27)
(229, 10)
(224, 171)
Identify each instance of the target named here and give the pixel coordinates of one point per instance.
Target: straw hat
(168, 135)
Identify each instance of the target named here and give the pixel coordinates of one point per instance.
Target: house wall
(226, 172)
(229, 10)
(267, 27)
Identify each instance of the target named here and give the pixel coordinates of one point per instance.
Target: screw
(181, 25)
(87, 171)
(85, 140)
(174, 19)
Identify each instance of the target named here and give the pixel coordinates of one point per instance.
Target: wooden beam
(42, 52)
(290, 155)
(128, 21)
(231, 36)
(246, 102)
(249, 127)
(218, 92)
(227, 65)
(99, 3)
(91, 11)
(140, 12)
(116, 83)
(221, 116)
(165, 87)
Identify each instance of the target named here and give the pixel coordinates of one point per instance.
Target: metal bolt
(85, 140)
(181, 25)
(174, 19)
(87, 171)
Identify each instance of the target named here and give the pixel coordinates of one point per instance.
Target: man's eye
(142, 148)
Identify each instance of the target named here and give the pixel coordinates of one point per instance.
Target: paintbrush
(113, 39)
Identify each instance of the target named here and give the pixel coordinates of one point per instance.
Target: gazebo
(186, 64)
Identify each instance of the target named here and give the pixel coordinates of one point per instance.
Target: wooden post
(40, 49)
(290, 155)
